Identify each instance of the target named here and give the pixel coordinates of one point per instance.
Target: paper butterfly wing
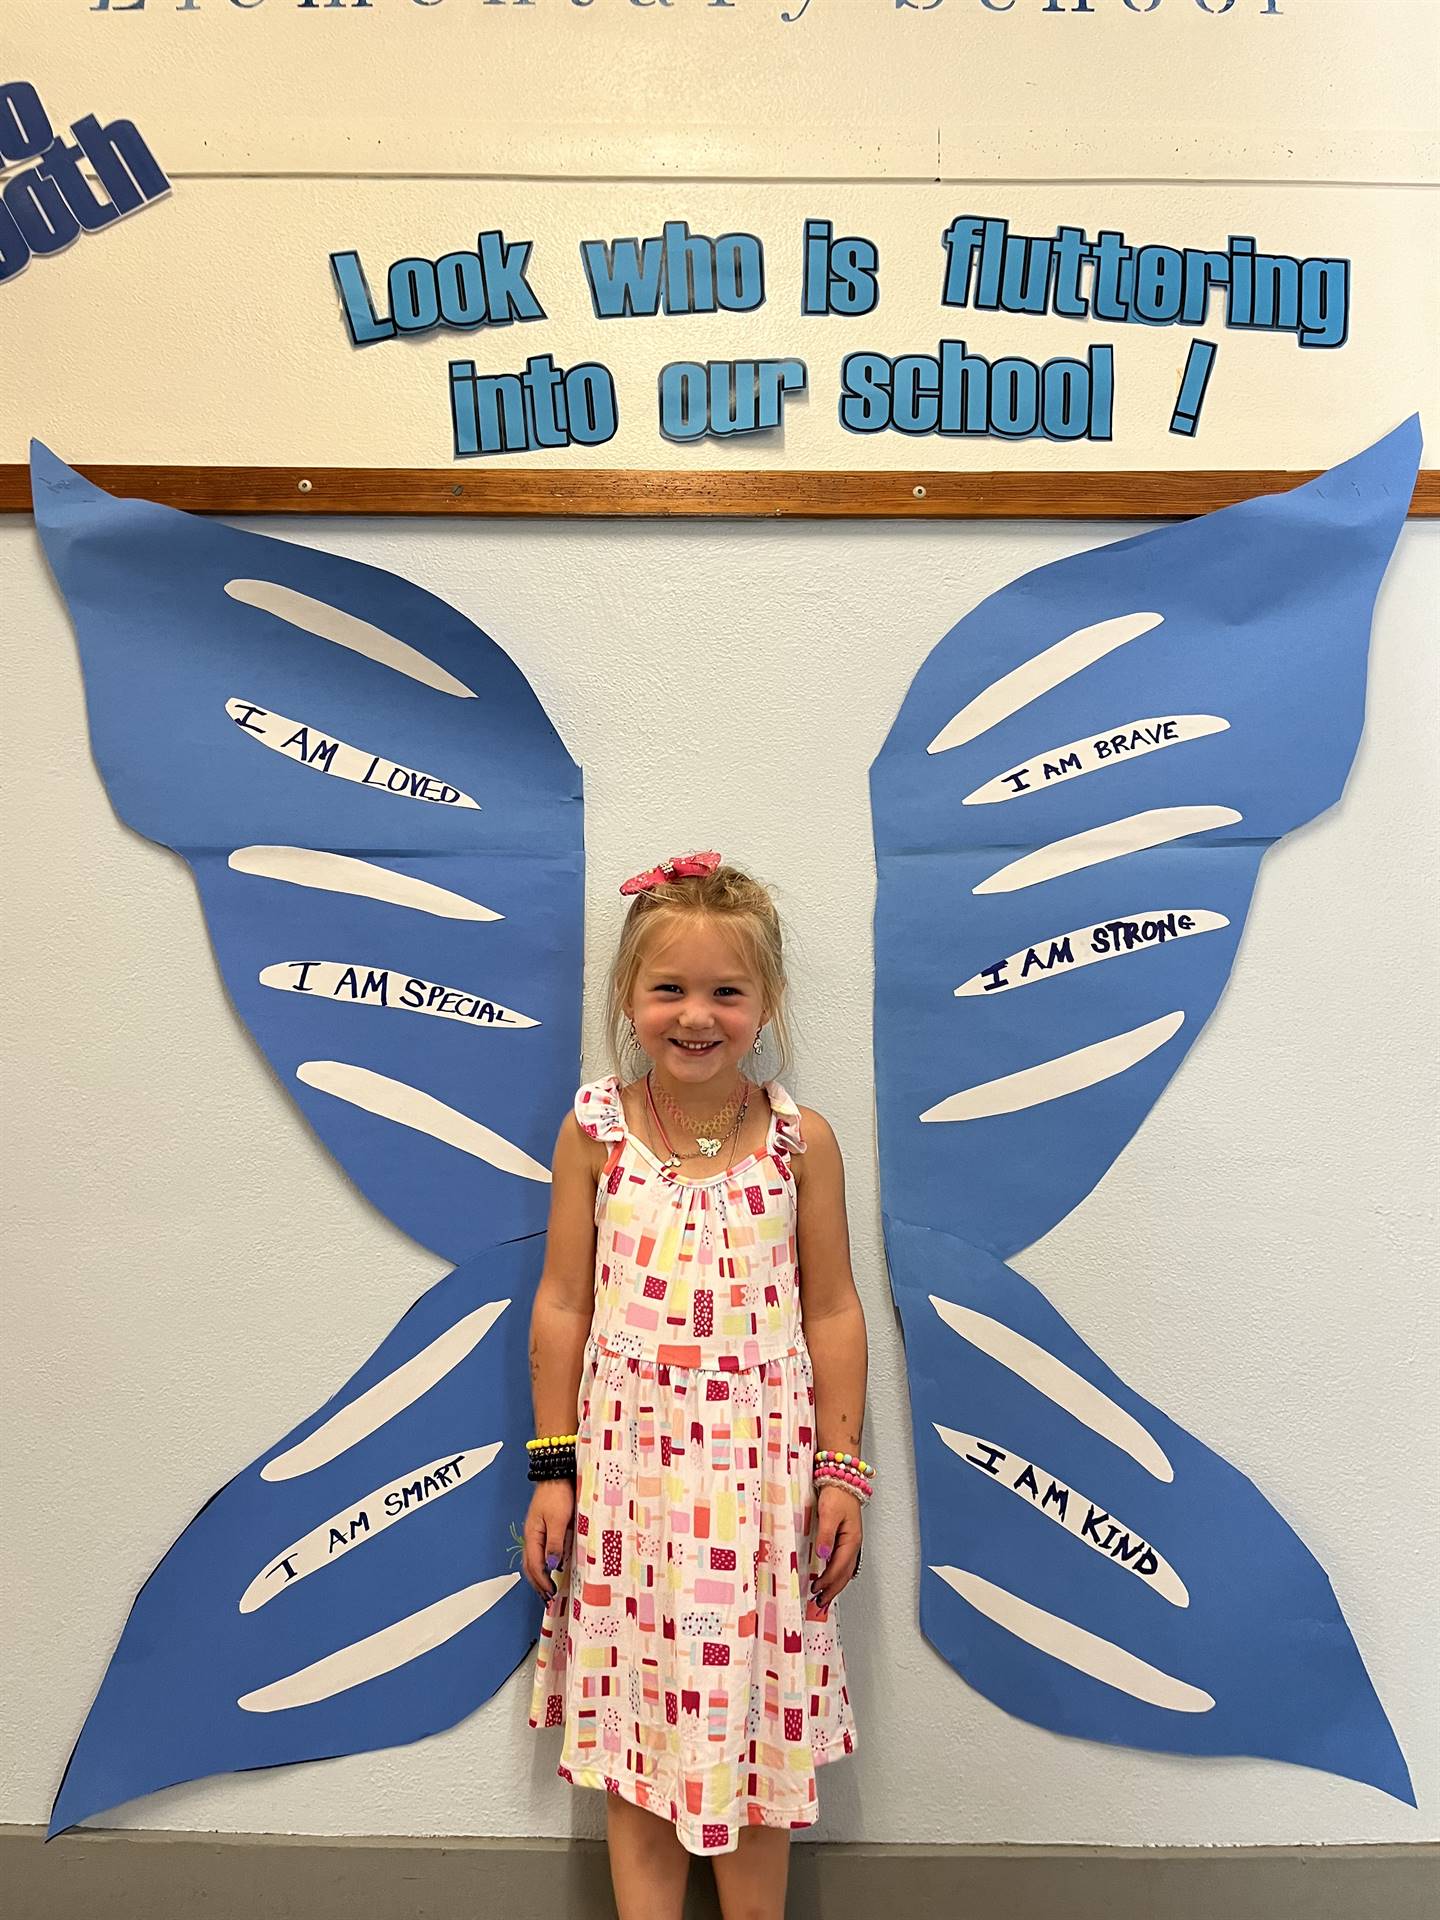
(386, 832)
(1092, 1567)
(356, 1587)
(387, 837)
(1189, 695)
(1069, 814)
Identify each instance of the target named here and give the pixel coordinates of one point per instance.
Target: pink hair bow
(684, 866)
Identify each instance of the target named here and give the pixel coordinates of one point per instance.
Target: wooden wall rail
(600, 493)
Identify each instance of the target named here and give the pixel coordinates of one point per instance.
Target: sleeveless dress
(684, 1658)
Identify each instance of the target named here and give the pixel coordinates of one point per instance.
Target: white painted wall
(1260, 1262)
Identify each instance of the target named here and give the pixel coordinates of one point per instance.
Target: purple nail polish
(823, 1553)
(552, 1560)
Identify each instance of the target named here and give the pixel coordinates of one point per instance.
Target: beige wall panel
(1315, 89)
(206, 328)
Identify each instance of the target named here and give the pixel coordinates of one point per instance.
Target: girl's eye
(672, 986)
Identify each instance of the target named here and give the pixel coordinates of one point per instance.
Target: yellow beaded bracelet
(553, 1440)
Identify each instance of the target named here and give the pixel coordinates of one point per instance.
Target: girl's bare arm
(565, 1298)
(833, 1317)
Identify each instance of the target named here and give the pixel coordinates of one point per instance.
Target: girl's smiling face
(696, 1004)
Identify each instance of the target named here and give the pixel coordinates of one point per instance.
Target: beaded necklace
(709, 1134)
(674, 1159)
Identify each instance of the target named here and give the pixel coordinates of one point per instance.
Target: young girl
(689, 1647)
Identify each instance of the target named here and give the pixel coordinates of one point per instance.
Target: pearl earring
(759, 1040)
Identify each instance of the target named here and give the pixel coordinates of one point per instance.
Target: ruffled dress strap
(787, 1136)
(598, 1109)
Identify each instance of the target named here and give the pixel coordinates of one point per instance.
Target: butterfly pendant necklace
(709, 1134)
(724, 1127)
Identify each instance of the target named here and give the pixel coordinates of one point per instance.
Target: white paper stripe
(1096, 753)
(1053, 1079)
(342, 873)
(1154, 828)
(309, 746)
(1076, 1646)
(1081, 1517)
(1069, 1390)
(1122, 934)
(361, 1417)
(351, 983)
(346, 630)
(393, 1646)
(408, 1106)
(371, 1514)
(1045, 671)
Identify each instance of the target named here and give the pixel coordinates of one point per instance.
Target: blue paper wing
(355, 1587)
(1091, 1566)
(1247, 637)
(1069, 814)
(387, 837)
(385, 828)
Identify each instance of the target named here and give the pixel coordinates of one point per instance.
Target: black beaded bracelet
(552, 1463)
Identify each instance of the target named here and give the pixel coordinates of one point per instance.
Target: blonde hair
(743, 907)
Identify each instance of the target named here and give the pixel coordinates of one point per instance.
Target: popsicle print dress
(688, 1666)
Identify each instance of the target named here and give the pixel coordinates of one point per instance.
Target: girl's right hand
(547, 1527)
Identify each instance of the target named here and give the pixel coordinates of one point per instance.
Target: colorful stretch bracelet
(552, 1440)
(849, 1479)
(855, 1483)
(825, 1456)
(863, 1498)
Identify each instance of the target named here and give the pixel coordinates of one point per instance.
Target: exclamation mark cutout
(1198, 363)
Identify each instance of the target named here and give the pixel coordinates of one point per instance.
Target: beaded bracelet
(826, 1456)
(855, 1483)
(559, 1465)
(552, 1457)
(847, 1470)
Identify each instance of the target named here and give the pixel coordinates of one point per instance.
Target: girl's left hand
(838, 1531)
